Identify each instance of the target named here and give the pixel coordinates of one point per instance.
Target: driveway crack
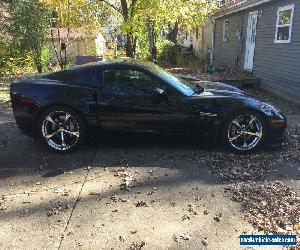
(77, 200)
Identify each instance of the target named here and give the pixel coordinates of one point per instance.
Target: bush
(14, 63)
(46, 58)
(110, 54)
(174, 56)
(11, 64)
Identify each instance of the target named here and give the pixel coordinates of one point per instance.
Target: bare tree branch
(124, 10)
(112, 6)
(54, 47)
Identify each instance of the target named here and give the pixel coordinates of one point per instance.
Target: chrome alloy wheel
(60, 130)
(245, 132)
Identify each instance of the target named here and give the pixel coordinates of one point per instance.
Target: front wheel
(244, 132)
(61, 129)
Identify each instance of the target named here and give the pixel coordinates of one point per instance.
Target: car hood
(218, 89)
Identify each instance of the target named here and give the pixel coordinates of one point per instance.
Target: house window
(284, 24)
(225, 30)
(197, 34)
(221, 2)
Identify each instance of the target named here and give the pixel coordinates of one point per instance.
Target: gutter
(237, 8)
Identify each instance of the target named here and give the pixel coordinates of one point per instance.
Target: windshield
(180, 84)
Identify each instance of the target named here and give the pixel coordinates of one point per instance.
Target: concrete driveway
(119, 191)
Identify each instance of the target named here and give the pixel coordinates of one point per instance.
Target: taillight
(26, 101)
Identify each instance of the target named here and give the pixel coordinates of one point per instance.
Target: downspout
(241, 42)
(202, 41)
(213, 42)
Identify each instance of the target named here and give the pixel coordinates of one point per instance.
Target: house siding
(228, 54)
(276, 65)
(208, 32)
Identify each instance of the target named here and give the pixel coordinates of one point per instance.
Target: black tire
(73, 130)
(258, 139)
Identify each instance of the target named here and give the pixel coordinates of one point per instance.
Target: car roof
(126, 61)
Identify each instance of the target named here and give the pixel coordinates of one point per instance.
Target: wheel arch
(44, 108)
(225, 120)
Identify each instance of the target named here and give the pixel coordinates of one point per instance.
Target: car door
(135, 97)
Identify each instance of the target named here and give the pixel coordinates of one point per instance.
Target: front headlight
(270, 110)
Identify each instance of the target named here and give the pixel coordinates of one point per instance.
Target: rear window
(81, 76)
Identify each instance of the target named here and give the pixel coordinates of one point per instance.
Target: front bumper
(276, 131)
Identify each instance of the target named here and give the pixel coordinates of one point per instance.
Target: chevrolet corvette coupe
(59, 108)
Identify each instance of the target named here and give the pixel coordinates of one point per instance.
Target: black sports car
(59, 108)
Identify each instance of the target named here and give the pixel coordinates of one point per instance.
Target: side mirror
(159, 91)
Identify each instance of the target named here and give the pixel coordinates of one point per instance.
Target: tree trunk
(152, 39)
(38, 64)
(174, 34)
(129, 47)
(173, 39)
(37, 51)
(39, 68)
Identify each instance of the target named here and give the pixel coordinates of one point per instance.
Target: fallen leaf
(57, 210)
(205, 242)
(185, 237)
(62, 191)
(141, 204)
(137, 245)
(185, 217)
(205, 212)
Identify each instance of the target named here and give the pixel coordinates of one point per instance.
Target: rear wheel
(61, 129)
(244, 132)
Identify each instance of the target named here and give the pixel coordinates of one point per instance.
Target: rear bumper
(24, 114)
(24, 122)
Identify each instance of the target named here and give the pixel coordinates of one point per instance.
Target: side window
(89, 77)
(131, 81)
(64, 76)
(284, 24)
(225, 30)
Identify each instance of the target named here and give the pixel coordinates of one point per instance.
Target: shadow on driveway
(20, 155)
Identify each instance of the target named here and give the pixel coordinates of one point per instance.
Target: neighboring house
(191, 40)
(208, 40)
(78, 42)
(200, 41)
(262, 37)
